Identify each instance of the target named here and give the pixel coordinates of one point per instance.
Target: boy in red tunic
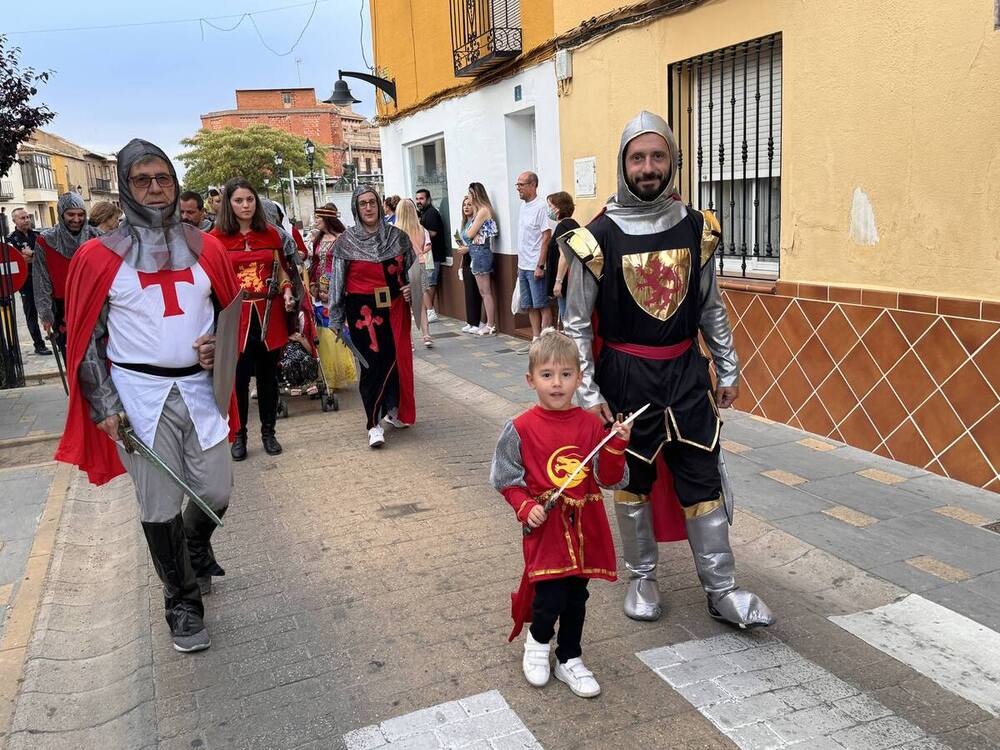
(537, 452)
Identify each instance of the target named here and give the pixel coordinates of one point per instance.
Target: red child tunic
(253, 255)
(536, 453)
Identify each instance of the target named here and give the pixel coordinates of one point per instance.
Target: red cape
(91, 273)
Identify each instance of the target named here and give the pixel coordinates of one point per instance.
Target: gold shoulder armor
(581, 243)
(711, 236)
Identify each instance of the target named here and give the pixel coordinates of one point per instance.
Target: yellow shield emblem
(658, 281)
(564, 462)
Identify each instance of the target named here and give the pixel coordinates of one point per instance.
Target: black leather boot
(181, 596)
(239, 447)
(198, 529)
(271, 445)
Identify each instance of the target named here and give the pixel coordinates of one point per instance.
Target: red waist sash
(651, 352)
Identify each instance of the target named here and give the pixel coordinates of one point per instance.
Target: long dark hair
(226, 221)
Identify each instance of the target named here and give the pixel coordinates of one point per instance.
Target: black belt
(163, 372)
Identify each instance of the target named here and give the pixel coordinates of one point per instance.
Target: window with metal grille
(37, 172)
(725, 111)
(286, 98)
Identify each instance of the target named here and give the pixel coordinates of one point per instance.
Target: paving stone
(698, 670)
(935, 567)
(756, 737)
(862, 708)
(876, 735)
(483, 703)
(785, 477)
(705, 693)
(851, 516)
(878, 500)
(733, 714)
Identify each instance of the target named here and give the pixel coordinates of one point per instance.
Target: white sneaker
(376, 438)
(536, 661)
(393, 418)
(580, 679)
(432, 316)
(469, 329)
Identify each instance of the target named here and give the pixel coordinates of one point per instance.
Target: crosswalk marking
(761, 694)
(957, 653)
(481, 721)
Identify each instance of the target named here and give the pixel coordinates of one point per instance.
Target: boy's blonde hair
(553, 346)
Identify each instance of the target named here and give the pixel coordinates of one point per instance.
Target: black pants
(371, 333)
(473, 299)
(695, 472)
(565, 600)
(31, 312)
(257, 361)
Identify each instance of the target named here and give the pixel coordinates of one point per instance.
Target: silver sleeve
(94, 379)
(580, 300)
(714, 324)
(42, 286)
(617, 486)
(507, 469)
(337, 277)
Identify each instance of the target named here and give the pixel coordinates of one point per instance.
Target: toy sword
(59, 363)
(551, 502)
(133, 444)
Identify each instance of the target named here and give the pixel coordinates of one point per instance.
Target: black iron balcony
(100, 185)
(484, 33)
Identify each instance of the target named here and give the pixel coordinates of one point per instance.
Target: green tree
(215, 156)
(18, 119)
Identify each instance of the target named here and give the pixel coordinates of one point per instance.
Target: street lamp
(311, 156)
(342, 93)
(267, 192)
(278, 161)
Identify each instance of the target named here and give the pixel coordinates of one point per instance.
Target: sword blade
(128, 434)
(59, 363)
(345, 336)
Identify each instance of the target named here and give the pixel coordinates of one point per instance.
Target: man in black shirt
(23, 238)
(431, 220)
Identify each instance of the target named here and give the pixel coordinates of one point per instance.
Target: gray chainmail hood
(632, 214)
(59, 237)
(151, 238)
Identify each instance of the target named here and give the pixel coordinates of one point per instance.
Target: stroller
(299, 371)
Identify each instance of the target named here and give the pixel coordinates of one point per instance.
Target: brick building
(346, 135)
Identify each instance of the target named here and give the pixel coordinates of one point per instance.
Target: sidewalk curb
(20, 624)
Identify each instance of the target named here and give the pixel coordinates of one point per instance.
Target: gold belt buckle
(382, 298)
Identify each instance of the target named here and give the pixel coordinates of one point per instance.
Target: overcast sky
(115, 84)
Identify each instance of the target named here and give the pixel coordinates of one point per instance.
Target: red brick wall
(271, 99)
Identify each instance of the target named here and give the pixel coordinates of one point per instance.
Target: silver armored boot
(708, 534)
(635, 523)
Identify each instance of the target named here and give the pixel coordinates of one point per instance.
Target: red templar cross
(660, 281)
(369, 321)
(167, 281)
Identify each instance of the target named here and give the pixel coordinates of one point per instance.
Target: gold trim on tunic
(624, 497)
(702, 508)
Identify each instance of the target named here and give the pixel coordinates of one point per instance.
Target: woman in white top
(408, 223)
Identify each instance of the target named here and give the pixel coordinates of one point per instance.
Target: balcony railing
(6, 190)
(101, 185)
(484, 33)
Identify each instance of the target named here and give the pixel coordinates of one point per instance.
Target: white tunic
(154, 319)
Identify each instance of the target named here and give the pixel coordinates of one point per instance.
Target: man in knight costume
(142, 306)
(642, 286)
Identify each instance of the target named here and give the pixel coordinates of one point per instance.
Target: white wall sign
(585, 177)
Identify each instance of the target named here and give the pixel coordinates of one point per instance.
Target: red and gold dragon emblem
(658, 281)
(564, 462)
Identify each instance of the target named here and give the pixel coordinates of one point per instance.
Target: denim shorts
(482, 259)
(431, 275)
(533, 296)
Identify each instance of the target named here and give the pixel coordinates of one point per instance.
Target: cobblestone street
(367, 602)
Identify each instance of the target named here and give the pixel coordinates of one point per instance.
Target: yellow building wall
(412, 44)
(899, 99)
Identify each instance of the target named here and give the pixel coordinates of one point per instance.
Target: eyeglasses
(143, 181)
(367, 204)
(521, 184)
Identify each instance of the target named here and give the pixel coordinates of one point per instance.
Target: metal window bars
(725, 108)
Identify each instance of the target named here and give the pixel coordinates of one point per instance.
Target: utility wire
(203, 19)
(361, 15)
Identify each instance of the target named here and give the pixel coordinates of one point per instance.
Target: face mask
(552, 214)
